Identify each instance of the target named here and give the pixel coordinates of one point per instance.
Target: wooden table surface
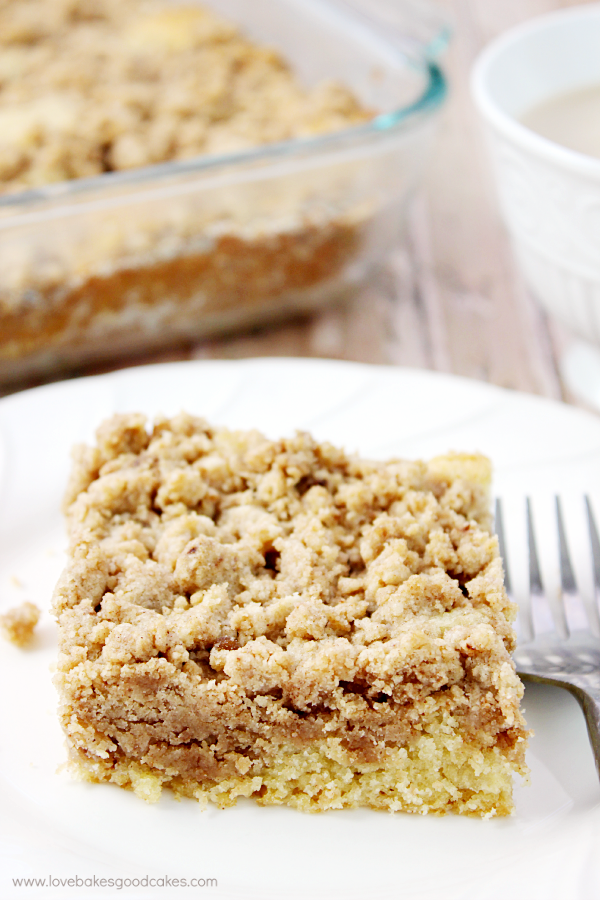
(449, 298)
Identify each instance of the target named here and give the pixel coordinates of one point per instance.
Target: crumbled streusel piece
(18, 624)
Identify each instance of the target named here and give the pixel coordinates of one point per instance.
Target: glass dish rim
(378, 128)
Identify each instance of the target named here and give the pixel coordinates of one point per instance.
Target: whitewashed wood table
(450, 297)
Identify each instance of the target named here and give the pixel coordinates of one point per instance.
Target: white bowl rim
(579, 163)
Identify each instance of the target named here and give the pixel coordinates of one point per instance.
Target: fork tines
(555, 595)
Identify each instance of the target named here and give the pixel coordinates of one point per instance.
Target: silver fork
(557, 645)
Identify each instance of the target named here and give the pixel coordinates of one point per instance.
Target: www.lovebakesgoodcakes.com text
(76, 881)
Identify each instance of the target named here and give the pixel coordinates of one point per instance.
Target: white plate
(54, 828)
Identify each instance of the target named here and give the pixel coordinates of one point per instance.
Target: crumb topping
(285, 568)
(93, 86)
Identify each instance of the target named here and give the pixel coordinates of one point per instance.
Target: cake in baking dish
(94, 87)
(242, 617)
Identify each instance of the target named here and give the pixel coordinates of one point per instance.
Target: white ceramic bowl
(549, 194)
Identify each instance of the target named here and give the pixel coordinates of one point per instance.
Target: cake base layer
(241, 281)
(437, 773)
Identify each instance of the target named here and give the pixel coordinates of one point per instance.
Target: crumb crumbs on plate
(18, 624)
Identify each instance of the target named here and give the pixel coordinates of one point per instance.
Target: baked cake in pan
(89, 88)
(241, 617)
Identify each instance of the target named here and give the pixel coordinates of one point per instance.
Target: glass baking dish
(123, 263)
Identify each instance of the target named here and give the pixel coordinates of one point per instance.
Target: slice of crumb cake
(282, 621)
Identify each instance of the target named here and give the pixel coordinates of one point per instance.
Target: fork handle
(589, 700)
